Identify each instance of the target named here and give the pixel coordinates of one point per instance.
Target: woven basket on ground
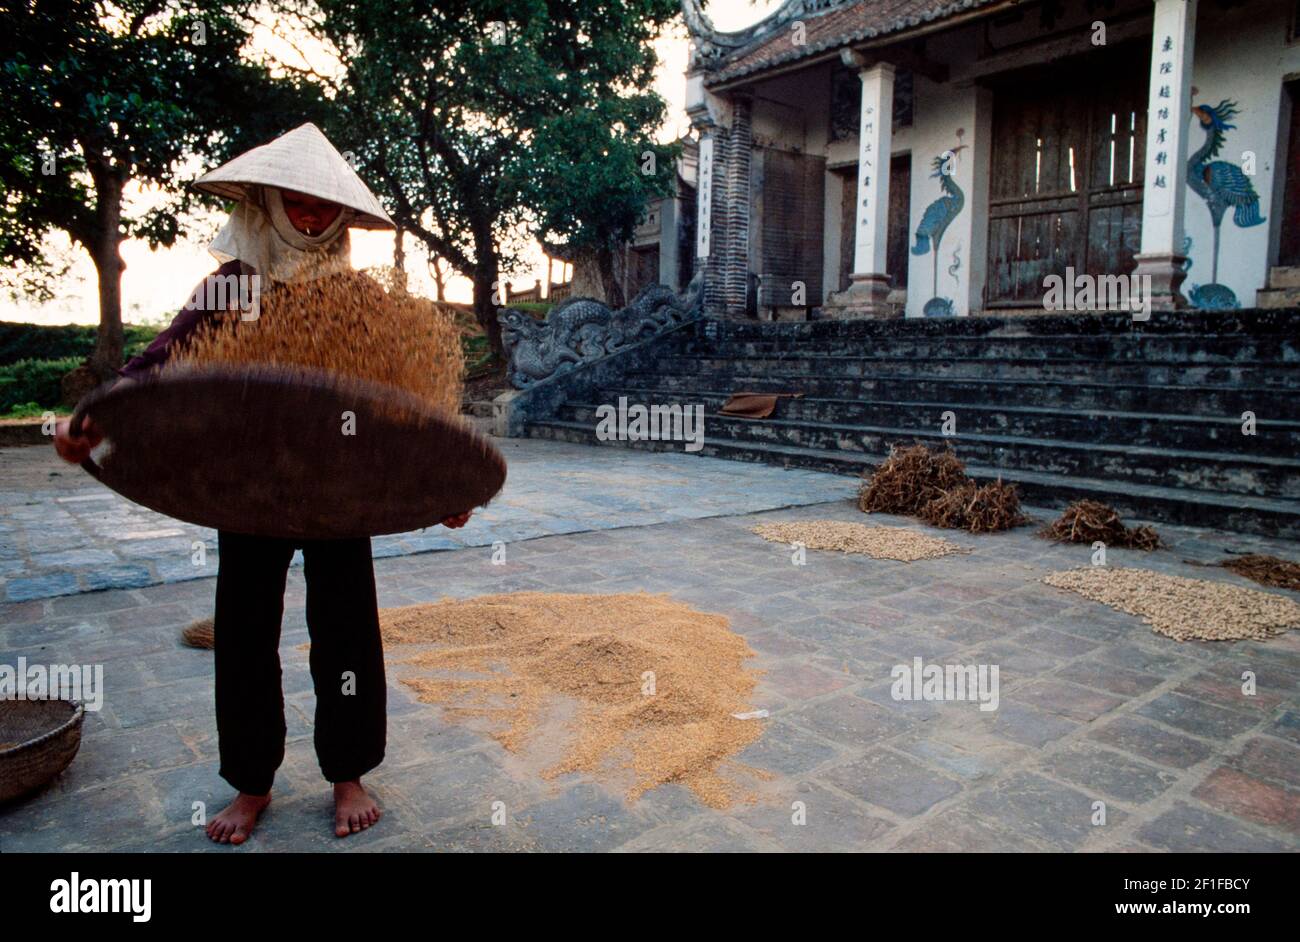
(38, 738)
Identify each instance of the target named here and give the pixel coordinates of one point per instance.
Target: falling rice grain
(348, 324)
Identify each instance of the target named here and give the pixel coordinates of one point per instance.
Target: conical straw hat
(303, 160)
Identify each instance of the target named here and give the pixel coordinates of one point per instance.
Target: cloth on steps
(752, 405)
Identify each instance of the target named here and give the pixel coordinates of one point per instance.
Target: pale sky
(155, 284)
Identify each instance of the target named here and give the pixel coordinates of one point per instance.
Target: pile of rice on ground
(878, 542)
(1087, 521)
(516, 659)
(346, 323)
(933, 485)
(1184, 609)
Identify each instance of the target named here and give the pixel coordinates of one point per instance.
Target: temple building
(945, 157)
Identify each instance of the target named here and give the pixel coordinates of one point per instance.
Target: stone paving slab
(62, 532)
(1098, 715)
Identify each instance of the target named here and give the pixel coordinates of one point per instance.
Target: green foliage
(29, 383)
(92, 96)
(33, 410)
(478, 353)
(537, 309)
(593, 176)
(474, 117)
(41, 342)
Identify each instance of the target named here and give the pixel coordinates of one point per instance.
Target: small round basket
(38, 738)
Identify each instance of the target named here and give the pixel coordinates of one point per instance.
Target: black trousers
(347, 658)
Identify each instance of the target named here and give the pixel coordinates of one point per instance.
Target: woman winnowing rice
(297, 198)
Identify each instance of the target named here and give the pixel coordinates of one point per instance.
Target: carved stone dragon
(580, 330)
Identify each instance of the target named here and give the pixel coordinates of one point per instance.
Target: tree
(439, 273)
(461, 113)
(594, 181)
(94, 96)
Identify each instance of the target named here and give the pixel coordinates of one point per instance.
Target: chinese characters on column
(705, 196)
(864, 161)
(1160, 132)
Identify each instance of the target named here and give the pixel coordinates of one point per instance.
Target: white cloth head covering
(260, 235)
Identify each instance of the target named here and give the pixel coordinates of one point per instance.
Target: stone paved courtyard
(61, 532)
(1094, 705)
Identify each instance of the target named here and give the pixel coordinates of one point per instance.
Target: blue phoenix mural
(934, 222)
(1221, 185)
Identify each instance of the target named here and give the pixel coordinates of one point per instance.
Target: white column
(1169, 105)
(868, 291)
(875, 133)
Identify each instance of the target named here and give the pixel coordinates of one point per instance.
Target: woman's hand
(75, 449)
(457, 521)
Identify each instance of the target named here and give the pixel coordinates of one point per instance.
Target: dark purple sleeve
(191, 316)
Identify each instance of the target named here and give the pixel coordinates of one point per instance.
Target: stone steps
(476, 408)
(1240, 325)
(1147, 417)
(1143, 502)
(1283, 289)
(1277, 297)
(1129, 348)
(1253, 373)
(1203, 399)
(1249, 474)
(1188, 431)
(1284, 276)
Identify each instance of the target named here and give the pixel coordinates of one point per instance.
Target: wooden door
(900, 203)
(848, 223)
(642, 269)
(1289, 243)
(792, 222)
(900, 199)
(1066, 176)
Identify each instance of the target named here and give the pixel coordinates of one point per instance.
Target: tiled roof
(852, 22)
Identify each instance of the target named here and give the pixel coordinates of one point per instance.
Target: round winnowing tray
(287, 452)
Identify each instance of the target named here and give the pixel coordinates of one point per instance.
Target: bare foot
(235, 823)
(354, 810)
